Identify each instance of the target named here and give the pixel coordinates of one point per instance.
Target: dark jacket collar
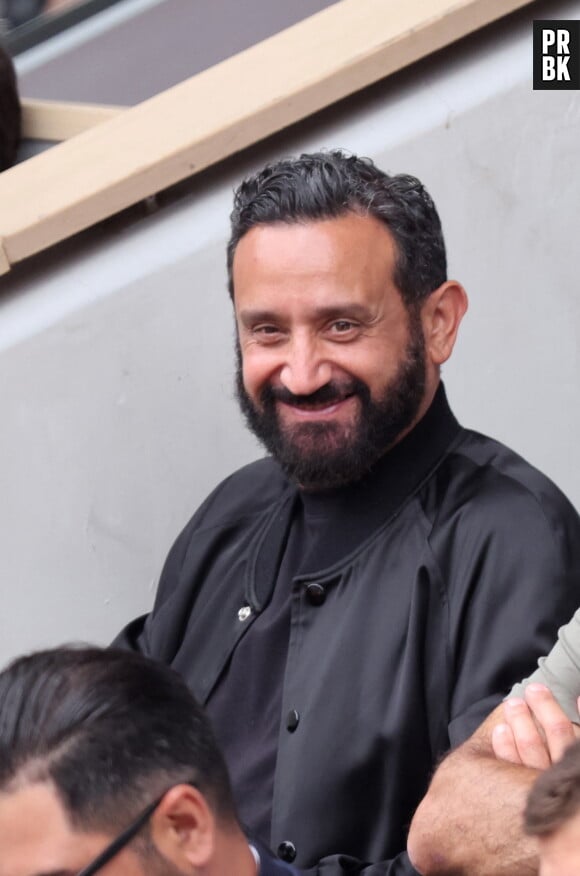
(269, 864)
(354, 512)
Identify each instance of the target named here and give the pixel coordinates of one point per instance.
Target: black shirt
(325, 526)
(395, 651)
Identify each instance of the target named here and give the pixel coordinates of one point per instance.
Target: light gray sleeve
(560, 670)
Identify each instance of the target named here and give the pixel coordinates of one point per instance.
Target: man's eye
(266, 333)
(340, 326)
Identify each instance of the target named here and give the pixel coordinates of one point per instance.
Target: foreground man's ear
(183, 829)
(441, 315)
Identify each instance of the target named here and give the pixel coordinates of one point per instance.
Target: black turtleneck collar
(347, 515)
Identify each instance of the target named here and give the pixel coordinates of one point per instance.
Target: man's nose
(305, 369)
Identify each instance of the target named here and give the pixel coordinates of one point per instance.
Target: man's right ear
(441, 315)
(183, 829)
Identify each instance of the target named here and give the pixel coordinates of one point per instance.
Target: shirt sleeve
(516, 582)
(344, 865)
(560, 670)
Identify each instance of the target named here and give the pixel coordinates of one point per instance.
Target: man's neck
(233, 855)
(430, 392)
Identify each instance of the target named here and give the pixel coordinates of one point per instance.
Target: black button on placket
(287, 851)
(315, 594)
(292, 720)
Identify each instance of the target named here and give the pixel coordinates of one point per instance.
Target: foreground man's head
(98, 746)
(343, 309)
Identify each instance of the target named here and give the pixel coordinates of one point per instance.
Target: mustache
(330, 393)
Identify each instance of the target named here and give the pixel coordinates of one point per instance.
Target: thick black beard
(322, 456)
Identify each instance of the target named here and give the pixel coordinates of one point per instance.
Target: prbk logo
(557, 55)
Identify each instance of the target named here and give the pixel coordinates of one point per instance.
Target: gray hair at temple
(326, 185)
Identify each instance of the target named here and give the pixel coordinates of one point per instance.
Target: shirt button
(287, 851)
(292, 720)
(316, 594)
(244, 612)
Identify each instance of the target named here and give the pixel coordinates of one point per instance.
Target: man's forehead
(36, 838)
(328, 234)
(332, 255)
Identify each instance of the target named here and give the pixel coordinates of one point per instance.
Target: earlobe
(183, 829)
(441, 316)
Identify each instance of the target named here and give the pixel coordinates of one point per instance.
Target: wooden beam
(54, 120)
(228, 107)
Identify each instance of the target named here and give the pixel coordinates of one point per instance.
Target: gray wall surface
(138, 48)
(116, 349)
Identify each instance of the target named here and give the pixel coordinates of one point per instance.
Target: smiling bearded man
(351, 606)
(319, 454)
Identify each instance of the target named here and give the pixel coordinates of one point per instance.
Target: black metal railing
(25, 23)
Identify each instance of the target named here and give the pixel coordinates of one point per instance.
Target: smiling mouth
(314, 410)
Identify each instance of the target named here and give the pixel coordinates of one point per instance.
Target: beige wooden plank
(222, 110)
(55, 120)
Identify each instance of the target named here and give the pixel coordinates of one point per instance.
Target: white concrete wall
(116, 351)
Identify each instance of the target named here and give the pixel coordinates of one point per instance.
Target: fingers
(531, 748)
(536, 731)
(553, 721)
(504, 744)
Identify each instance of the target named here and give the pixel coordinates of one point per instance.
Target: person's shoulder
(496, 474)
(491, 456)
(250, 490)
(487, 507)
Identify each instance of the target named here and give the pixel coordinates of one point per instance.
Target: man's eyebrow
(250, 317)
(341, 309)
(56, 873)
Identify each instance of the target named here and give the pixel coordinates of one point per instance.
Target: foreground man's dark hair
(110, 729)
(325, 185)
(555, 796)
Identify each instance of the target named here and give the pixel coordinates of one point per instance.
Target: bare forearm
(470, 822)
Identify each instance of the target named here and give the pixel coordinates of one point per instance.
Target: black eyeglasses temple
(122, 840)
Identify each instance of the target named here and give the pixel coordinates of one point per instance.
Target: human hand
(536, 731)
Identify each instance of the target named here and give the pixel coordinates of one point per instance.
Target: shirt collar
(354, 511)
(256, 855)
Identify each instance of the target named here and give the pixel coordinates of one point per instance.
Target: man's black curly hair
(326, 185)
